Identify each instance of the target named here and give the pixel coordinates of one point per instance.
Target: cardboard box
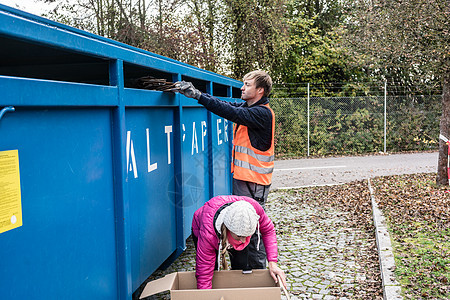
(227, 285)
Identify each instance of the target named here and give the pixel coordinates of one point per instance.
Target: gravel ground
(322, 248)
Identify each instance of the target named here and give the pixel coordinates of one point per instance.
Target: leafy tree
(206, 19)
(326, 14)
(406, 39)
(159, 26)
(121, 20)
(315, 57)
(258, 33)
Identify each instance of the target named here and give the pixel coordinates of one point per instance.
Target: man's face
(250, 93)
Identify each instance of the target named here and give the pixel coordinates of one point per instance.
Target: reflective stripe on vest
(246, 165)
(260, 157)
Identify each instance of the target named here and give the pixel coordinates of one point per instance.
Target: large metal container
(110, 175)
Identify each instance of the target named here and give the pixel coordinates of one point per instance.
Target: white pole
(308, 119)
(385, 121)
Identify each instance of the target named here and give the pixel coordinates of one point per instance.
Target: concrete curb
(391, 287)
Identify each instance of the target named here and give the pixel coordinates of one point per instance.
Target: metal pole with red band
(448, 155)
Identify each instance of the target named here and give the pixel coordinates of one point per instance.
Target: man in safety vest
(253, 147)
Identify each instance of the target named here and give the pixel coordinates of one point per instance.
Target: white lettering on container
(150, 167)
(168, 130)
(130, 151)
(203, 134)
(225, 130)
(222, 136)
(219, 141)
(194, 139)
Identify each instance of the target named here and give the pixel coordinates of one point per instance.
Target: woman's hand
(274, 271)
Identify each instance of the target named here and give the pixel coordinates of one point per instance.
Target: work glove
(187, 89)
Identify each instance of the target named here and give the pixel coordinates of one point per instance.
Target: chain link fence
(318, 126)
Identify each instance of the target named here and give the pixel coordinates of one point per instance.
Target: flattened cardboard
(229, 285)
(166, 283)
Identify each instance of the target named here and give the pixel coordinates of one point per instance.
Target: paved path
(337, 170)
(318, 249)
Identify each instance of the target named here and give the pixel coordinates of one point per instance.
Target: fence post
(385, 122)
(308, 119)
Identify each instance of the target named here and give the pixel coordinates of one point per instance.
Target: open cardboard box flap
(159, 285)
(231, 284)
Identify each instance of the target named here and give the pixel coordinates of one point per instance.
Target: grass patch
(418, 215)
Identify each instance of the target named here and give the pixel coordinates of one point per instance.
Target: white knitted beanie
(241, 218)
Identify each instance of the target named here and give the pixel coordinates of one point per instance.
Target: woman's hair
(225, 244)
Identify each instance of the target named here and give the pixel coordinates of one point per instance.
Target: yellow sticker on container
(10, 199)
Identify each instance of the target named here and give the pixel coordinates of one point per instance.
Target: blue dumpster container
(98, 179)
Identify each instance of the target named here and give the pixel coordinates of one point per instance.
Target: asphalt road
(338, 170)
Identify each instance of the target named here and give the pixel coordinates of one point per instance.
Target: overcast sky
(30, 6)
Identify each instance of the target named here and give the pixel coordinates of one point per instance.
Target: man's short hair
(262, 80)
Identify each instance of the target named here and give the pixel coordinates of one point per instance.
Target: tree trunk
(444, 130)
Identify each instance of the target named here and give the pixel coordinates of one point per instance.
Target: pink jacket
(208, 242)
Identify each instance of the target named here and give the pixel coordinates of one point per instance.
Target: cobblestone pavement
(318, 250)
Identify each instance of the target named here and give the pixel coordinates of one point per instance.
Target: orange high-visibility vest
(250, 164)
